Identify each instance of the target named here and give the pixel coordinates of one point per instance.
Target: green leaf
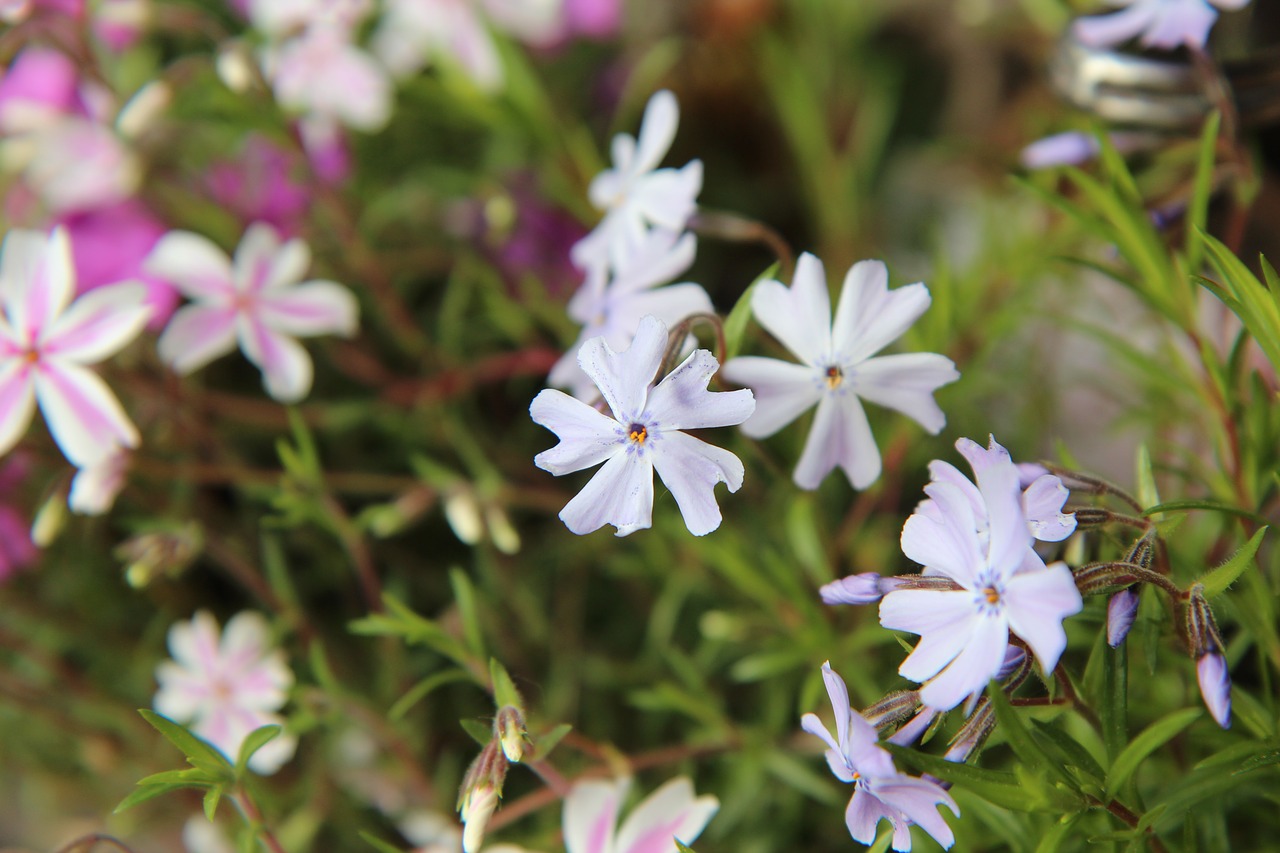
(735, 325)
(419, 691)
(1070, 752)
(1033, 756)
(998, 787)
(682, 847)
(465, 595)
(479, 732)
(377, 843)
(1250, 299)
(1217, 580)
(1148, 741)
(254, 741)
(211, 799)
(1115, 698)
(197, 751)
(1198, 211)
(1147, 494)
(1211, 506)
(1051, 841)
(543, 745)
(143, 793)
(504, 689)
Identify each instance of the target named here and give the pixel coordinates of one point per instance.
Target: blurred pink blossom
(259, 186)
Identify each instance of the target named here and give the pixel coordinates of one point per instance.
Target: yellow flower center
(638, 433)
(835, 376)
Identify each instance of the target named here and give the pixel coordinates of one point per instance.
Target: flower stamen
(834, 376)
(638, 433)
(992, 595)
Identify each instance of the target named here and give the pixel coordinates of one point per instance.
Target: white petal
(194, 265)
(286, 367)
(945, 540)
(919, 799)
(313, 308)
(671, 812)
(978, 662)
(623, 377)
(1116, 27)
(668, 197)
(17, 400)
(620, 493)
(782, 390)
(587, 437)
(669, 304)
(869, 317)
(840, 436)
(99, 323)
(657, 131)
(1036, 603)
(196, 335)
(663, 255)
(1042, 501)
(1010, 536)
(84, 417)
(591, 814)
(690, 469)
(94, 489)
(39, 281)
(799, 316)
(944, 620)
(905, 383)
(289, 265)
(1179, 23)
(681, 400)
(256, 257)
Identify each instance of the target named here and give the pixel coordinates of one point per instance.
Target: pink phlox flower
(261, 185)
(1005, 586)
(644, 433)
(635, 194)
(416, 33)
(839, 368)
(1164, 24)
(47, 341)
(255, 301)
(224, 687)
(1043, 494)
(613, 308)
(17, 551)
(40, 87)
(95, 487)
(671, 812)
(880, 792)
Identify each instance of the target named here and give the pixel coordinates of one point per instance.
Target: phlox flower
(612, 309)
(413, 33)
(635, 194)
(1165, 24)
(838, 368)
(1003, 586)
(226, 686)
(644, 433)
(255, 300)
(95, 487)
(47, 341)
(669, 813)
(880, 792)
(324, 75)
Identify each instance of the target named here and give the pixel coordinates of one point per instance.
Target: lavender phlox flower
(880, 792)
(635, 194)
(671, 812)
(1043, 494)
(47, 342)
(1004, 586)
(613, 308)
(1164, 24)
(1073, 148)
(414, 33)
(838, 368)
(255, 300)
(1122, 609)
(226, 684)
(1014, 659)
(644, 433)
(1206, 647)
(864, 588)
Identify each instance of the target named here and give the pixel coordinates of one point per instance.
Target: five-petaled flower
(256, 300)
(644, 433)
(838, 369)
(227, 687)
(671, 812)
(880, 792)
(47, 340)
(1166, 24)
(1001, 585)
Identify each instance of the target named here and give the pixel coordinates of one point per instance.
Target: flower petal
(657, 131)
(99, 324)
(257, 258)
(814, 726)
(1036, 603)
(978, 662)
(286, 367)
(690, 468)
(197, 335)
(587, 437)
(17, 400)
(623, 377)
(840, 436)
(670, 812)
(905, 383)
(195, 265)
(590, 815)
(667, 198)
(669, 304)
(783, 391)
(945, 538)
(1010, 536)
(1116, 27)
(864, 812)
(313, 308)
(37, 279)
(944, 620)
(838, 693)
(681, 400)
(799, 316)
(85, 418)
(1042, 502)
(919, 799)
(869, 316)
(620, 493)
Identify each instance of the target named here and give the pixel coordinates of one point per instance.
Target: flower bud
(463, 514)
(894, 708)
(235, 68)
(501, 531)
(148, 556)
(510, 731)
(143, 109)
(1122, 609)
(49, 520)
(1202, 630)
(972, 735)
(1215, 687)
(476, 812)
(866, 588)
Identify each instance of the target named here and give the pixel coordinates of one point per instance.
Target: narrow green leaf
(479, 732)
(254, 741)
(419, 691)
(997, 787)
(1266, 759)
(1051, 841)
(377, 843)
(1217, 580)
(1033, 756)
(1148, 741)
(1115, 698)
(197, 751)
(1146, 481)
(1211, 506)
(1068, 750)
(465, 595)
(682, 847)
(144, 793)
(543, 744)
(735, 325)
(1198, 212)
(211, 799)
(504, 689)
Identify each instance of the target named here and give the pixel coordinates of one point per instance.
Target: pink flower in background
(40, 86)
(324, 75)
(671, 812)
(225, 687)
(260, 185)
(109, 244)
(1166, 24)
(17, 551)
(597, 19)
(255, 301)
(120, 23)
(47, 340)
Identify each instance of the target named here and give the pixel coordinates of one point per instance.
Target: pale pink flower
(255, 301)
(95, 488)
(260, 184)
(1165, 24)
(47, 340)
(671, 812)
(40, 86)
(224, 687)
(322, 74)
(416, 33)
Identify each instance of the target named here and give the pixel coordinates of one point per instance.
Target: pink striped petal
(85, 418)
(590, 814)
(197, 335)
(314, 308)
(286, 367)
(255, 259)
(37, 279)
(99, 324)
(668, 813)
(17, 401)
(194, 264)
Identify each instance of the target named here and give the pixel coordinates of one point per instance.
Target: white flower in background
(414, 33)
(671, 812)
(612, 309)
(94, 489)
(325, 76)
(1165, 24)
(47, 341)
(643, 434)
(13, 11)
(838, 369)
(255, 301)
(635, 194)
(225, 687)
(201, 835)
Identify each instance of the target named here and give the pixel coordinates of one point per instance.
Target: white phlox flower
(414, 33)
(838, 367)
(224, 687)
(1164, 24)
(671, 812)
(256, 300)
(644, 433)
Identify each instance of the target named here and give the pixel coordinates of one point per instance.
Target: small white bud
(234, 69)
(143, 109)
(463, 514)
(477, 810)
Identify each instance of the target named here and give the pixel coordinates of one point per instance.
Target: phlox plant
(445, 426)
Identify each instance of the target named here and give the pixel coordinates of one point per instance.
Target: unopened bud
(488, 770)
(1099, 577)
(1215, 687)
(509, 728)
(49, 520)
(865, 588)
(1141, 553)
(463, 514)
(235, 68)
(504, 535)
(972, 735)
(475, 817)
(143, 109)
(1202, 630)
(894, 708)
(148, 556)
(1122, 609)
(1088, 516)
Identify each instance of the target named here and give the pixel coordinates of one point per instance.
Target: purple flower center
(637, 433)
